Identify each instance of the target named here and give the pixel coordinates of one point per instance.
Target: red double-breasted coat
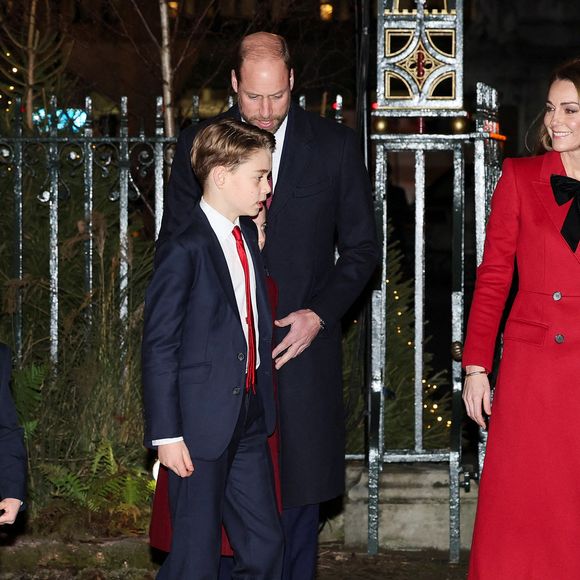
(528, 516)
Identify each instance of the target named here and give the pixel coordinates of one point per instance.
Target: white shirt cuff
(157, 442)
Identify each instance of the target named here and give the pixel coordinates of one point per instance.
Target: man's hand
(11, 507)
(175, 456)
(304, 326)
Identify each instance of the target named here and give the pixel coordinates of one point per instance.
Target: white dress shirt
(279, 135)
(223, 228)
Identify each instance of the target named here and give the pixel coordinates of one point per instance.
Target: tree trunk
(31, 47)
(166, 71)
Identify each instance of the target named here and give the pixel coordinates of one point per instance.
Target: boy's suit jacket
(194, 349)
(12, 450)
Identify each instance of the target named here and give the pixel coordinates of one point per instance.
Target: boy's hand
(11, 507)
(175, 456)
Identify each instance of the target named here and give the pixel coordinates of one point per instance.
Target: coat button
(559, 338)
(236, 391)
(557, 296)
(241, 356)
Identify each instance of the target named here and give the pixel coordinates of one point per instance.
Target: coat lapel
(552, 165)
(296, 154)
(216, 256)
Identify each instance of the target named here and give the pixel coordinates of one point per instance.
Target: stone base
(414, 509)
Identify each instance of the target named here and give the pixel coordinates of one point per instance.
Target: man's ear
(234, 81)
(291, 78)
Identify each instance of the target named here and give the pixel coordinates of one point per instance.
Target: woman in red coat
(528, 516)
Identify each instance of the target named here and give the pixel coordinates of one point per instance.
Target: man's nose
(265, 108)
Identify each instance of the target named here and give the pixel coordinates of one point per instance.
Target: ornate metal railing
(486, 169)
(54, 161)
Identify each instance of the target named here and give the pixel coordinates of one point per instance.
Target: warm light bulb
(326, 11)
(381, 125)
(458, 125)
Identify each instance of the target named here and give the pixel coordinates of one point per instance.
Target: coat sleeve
(356, 236)
(13, 461)
(165, 308)
(183, 189)
(495, 273)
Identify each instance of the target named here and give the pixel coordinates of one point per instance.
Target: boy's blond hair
(226, 142)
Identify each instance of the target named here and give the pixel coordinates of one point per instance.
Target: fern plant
(109, 497)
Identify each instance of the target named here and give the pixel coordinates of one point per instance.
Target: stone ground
(129, 559)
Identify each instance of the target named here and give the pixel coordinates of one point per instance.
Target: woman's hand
(477, 394)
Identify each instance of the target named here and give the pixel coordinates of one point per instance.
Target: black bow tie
(565, 189)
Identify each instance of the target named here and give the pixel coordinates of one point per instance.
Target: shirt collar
(280, 134)
(220, 224)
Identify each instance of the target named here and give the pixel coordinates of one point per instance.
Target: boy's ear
(218, 176)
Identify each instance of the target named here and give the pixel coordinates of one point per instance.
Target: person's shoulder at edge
(5, 351)
(531, 162)
(321, 124)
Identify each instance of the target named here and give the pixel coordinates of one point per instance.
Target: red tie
(251, 374)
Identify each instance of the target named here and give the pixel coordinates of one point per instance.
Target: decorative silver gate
(420, 75)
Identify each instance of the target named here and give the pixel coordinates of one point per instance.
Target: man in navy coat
(12, 450)
(321, 201)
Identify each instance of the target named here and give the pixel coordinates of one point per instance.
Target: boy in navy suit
(13, 462)
(207, 374)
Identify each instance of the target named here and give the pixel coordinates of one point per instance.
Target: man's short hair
(227, 142)
(260, 46)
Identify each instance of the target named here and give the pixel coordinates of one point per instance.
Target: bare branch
(185, 51)
(13, 40)
(145, 24)
(148, 62)
(7, 73)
